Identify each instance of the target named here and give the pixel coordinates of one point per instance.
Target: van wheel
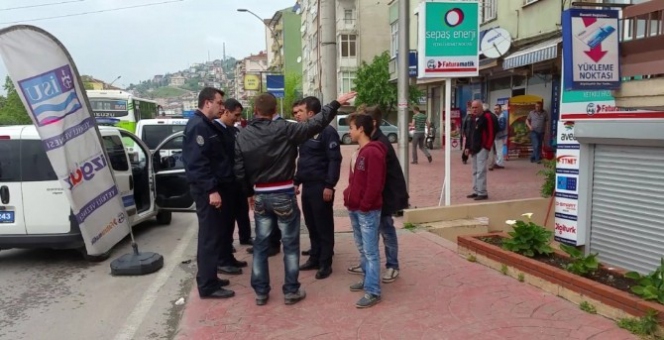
(164, 217)
(392, 138)
(94, 258)
(346, 139)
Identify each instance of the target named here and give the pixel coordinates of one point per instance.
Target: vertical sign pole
(402, 87)
(448, 140)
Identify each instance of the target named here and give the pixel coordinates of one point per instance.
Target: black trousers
(243, 223)
(211, 232)
(319, 218)
(230, 206)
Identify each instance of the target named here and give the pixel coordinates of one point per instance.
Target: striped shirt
(420, 120)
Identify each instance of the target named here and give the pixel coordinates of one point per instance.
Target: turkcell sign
(51, 90)
(591, 49)
(450, 35)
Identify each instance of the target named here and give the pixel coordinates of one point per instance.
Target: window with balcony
(348, 45)
(349, 16)
(347, 81)
(489, 10)
(394, 42)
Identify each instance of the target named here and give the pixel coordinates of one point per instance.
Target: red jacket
(367, 180)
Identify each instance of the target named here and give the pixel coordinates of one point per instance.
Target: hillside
(218, 73)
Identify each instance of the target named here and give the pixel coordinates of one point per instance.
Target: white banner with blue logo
(50, 87)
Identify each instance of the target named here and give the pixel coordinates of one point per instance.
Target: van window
(24, 160)
(342, 122)
(116, 153)
(154, 134)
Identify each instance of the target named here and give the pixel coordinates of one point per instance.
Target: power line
(91, 12)
(40, 5)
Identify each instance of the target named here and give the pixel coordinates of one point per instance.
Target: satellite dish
(302, 29)
(298, 11)
(495, 43)
(299, 60)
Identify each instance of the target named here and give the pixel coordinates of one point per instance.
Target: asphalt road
(55, 294)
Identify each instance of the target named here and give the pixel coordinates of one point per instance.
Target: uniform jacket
(319, 159)
(207, 163)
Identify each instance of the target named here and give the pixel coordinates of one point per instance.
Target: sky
(141, 42)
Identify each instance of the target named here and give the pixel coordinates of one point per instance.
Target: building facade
(249, 77)
(285, 52)
(362, 34)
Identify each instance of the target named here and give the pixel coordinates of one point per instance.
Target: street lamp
(116, 79)
(274, 37)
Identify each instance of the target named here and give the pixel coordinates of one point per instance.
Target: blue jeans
(366, 227)
(536, 139)
(389, 234)
(282, 208)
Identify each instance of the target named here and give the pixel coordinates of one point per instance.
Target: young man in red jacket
(364, 200)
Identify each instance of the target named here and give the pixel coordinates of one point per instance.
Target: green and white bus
(121, 109)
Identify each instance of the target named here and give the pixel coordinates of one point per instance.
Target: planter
(610, 302)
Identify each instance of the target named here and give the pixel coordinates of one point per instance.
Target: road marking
(137, 316)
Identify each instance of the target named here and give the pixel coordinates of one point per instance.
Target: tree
(292, 92)
(373, 86)
(13, 111)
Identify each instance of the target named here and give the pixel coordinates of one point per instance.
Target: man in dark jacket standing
(210, 176)
(265, 154)
(318, 168)
(478, 147)
(395, 198)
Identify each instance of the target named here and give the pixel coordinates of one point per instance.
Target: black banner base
(136, 264)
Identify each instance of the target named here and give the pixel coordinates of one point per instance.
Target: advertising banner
(50, 87)
(252, 82)
(567, 186)
(275, 84)
(450, 39)
(590, 49)
(518, 138)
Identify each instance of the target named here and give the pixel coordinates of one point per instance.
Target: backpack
(496, 123)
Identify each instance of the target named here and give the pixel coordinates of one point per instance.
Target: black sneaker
(472, 196)
(261, 300)
(430, 159)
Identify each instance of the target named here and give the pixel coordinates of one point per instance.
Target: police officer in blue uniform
(209, 174)
(318, 168)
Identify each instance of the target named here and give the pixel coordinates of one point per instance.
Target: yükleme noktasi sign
(590, 49)
(50, 87)
(449, 39)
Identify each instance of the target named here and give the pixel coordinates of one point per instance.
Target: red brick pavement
(437, 296)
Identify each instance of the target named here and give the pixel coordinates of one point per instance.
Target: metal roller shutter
(627, 216)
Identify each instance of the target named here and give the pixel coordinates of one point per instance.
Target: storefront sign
(590, 49)
(567, 186)
(450, 32)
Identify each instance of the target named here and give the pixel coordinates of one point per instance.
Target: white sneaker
(391, 275)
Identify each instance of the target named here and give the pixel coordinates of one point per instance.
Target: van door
(144, 191)
(119, 164)
(46, 207)
(172, 187)
(11, 198)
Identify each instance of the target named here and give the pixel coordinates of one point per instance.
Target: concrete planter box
(610, 302)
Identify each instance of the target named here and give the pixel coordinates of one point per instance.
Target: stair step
(450, 230)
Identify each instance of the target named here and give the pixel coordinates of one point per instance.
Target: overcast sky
(138, 43)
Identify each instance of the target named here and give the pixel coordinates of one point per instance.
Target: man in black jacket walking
(395, 198)
(265, 154)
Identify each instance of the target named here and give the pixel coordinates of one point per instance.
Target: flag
(51, 89)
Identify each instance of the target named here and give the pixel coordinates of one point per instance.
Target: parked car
(390, 130)
(35, 212)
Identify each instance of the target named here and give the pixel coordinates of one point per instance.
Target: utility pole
(402, 86)
(328, 59)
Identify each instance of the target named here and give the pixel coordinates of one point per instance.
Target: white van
(35, 212)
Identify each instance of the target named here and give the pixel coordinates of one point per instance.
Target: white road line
(137, 316)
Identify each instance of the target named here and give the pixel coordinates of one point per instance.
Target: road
(49, 294)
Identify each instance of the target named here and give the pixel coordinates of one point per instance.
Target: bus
(121, 109)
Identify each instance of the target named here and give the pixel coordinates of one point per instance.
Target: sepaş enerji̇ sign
(449, 38)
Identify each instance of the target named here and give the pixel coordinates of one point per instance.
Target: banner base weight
(135, 264)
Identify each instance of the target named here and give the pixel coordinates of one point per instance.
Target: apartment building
(284, 42)
(362, 33)
(249, 77)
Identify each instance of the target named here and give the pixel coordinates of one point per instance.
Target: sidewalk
(438, 295)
